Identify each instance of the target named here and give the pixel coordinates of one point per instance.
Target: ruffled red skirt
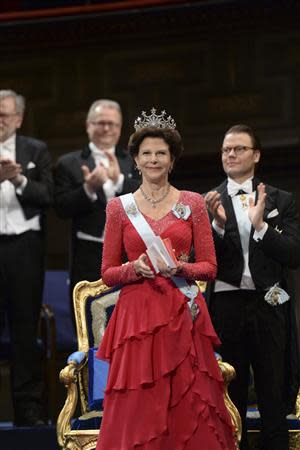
(165, 388)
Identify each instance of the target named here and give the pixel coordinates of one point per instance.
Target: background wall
(210, 64)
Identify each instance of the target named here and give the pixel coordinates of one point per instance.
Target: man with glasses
(257, 239)
(26, 189)
(86, 180)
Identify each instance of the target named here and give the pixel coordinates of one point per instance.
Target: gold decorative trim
(81, 440)
(68, 376)
(201, 285)
(228, 373)
(82, 291)
(294, 439)
(98, 309)
(297, 407)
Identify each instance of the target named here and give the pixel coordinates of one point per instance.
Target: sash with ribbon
(147, 234)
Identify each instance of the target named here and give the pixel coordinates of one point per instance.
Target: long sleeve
(205, 265)
(282, 244)
(113, 272)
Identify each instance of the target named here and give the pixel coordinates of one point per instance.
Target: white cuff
(258, 235)
(109, 189)
(22, 186)
(220, 231)
(93, 196)
(119, 183)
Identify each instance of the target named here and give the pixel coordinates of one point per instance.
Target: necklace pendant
(153, 205)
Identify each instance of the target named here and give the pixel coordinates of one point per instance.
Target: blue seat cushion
(254, 421)
(98, 371)
(86, 423)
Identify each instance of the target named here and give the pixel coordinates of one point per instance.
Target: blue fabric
(56, 295)
(255, 424)
(86, 424)
(78, 357)
(98, 371)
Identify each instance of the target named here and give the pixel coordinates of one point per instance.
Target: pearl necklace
(152, 200)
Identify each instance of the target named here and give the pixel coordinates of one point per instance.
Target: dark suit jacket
(71, 200)
(269, 258)
(35, 160)
(269, 261)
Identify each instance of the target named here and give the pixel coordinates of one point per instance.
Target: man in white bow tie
(25, 191)
(257, 238)
(85, 180)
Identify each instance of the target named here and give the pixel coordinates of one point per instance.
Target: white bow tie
(233, 188)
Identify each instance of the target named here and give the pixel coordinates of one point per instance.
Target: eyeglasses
(102, 124)
(238, 149)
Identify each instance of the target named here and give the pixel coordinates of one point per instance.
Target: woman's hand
(165, 270)
(141, 267)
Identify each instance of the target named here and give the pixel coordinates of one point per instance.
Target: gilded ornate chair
(85, 376)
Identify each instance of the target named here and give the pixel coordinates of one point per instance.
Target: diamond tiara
(154, 120)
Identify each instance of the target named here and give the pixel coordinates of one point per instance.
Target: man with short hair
(26, 189)
(257, 239)
(86, 180)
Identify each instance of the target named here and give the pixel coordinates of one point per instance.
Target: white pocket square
(30, 165)
(273, 213)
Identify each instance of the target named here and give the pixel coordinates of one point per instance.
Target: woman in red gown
(164, 389)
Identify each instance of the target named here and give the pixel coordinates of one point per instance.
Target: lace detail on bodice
(195, 231)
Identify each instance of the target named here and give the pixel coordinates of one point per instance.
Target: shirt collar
(8, 146)
(233, 187)
(97, 151)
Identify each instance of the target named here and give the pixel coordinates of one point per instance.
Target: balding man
(86, 180)
(25, 191)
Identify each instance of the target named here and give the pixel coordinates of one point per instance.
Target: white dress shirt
(12, 218)
(109, 187)
(241, 206)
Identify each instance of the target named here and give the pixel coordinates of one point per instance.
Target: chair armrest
(69, 376)
(76, 357)
(228, 374)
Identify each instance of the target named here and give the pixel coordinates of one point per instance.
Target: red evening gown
(165, 389)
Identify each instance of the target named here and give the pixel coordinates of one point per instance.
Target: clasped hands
(255, 211)
(94, 179)
(142, 268)
(11, 171)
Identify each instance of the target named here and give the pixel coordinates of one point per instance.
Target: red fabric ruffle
(165, 389)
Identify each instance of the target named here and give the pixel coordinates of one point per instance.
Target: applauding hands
(255, 211)
(96, 178)
(10, 170)
(215, 207)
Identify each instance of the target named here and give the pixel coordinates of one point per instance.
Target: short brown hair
(170, 136)
(242, 128)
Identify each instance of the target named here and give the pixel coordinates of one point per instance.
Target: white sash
(147, 234)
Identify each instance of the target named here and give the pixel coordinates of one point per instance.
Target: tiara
(154, 120)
